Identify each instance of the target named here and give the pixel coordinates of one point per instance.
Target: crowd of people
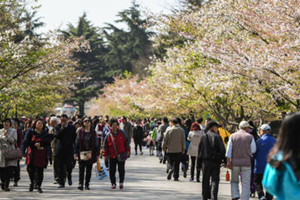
(254, 156)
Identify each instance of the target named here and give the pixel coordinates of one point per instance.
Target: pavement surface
(145, 179)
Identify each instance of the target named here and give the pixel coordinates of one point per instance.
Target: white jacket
(194, 137)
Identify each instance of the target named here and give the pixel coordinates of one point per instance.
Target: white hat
(265, 127)
(244, 124)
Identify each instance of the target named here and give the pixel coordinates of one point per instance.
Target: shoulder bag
(13, 154)
(121, 157)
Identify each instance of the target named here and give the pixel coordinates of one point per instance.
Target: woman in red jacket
(117, 138)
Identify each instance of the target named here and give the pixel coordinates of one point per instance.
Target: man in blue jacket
(263, 145)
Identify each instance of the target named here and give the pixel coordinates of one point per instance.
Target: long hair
(288, 141)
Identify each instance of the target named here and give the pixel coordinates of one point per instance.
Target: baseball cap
(265, 127)
(244, 124)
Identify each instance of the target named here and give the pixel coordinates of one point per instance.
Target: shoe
(80, 187)
(136, 153)
(34, 186)
(121, 186)
(184, 173)
(40, 190)
(252, 195)
(6, 189)
(87, 187)
(170, 175)
(198, 180)
(60, 186)
(2, 186)
(160, 160)
(191, 179)
(15, 183)
(55, 182)
(262, 198)
(70, 182)
(236, 198)
(113, 186)
(176, 179)
(30, 187)
(141, 153)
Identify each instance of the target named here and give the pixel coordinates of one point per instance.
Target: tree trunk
(81, 107)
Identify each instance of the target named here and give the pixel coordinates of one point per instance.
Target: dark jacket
(89, 143)
(138, 134)
(65, 140)
(211, 147)
(35, 157)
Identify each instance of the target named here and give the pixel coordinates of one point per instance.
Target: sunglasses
(86, 121)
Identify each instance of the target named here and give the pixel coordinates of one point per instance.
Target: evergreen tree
(93, 68)
(129, 49)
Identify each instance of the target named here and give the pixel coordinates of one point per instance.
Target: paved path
(145, 179)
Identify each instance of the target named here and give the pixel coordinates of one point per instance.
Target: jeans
(193, 166)
(174, 162)
(246, 178)
(113, 168)
(259, 187)
(87, 166)
(211, 170)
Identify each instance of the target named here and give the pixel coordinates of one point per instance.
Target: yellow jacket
(223, 133)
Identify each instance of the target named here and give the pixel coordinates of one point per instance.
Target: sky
(57, 13)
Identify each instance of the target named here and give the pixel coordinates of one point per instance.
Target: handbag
(85, 155)
(121, 157)
(13, 154)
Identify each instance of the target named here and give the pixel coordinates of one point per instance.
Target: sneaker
(113, 187)
(121, 186)
(87, 187)
(80, 187)
(141, 153)
(15, 183)
(60, 186)
(170, 175)
(55, 182)
(191, 179)
(262, 198)
(176, 179)
(198, 180)
(184, 173)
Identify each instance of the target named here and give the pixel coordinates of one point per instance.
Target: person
(185, 158)
(174, 146)
(105, 132)
(161, 130)
(211, 151)
(194, 138)
(224, 134)
(253, 132)
(37, 147)
(53, 122)
(115, 138)
(150, 143)
(16, 170)
(127, 128)
(282, 172)
(138, 136)
(8, 139)
(263, 147)
(200, 121)
(65, 134)
(86, 140)
(240, 147)
(99, 130)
